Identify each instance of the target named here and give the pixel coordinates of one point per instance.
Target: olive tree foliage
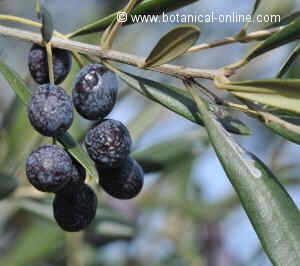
(274, 102)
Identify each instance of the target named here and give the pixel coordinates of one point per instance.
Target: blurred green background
(188, 213)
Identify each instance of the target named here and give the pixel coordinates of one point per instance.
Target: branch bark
(108, 54)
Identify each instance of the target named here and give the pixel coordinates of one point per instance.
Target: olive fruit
(49, 168)
(95, 91)
(78, 176)
(108, 143)
(124, 182)
(38, 64)
(50, 110)
(78, 173)
(75, 211)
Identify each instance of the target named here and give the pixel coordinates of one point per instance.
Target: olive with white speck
(95, 91)
(108, 143)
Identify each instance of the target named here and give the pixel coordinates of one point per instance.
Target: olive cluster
(51, 168)
(108, 143)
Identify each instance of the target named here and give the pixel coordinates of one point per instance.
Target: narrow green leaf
(173, 44)
(288, 102)
(288, 34)
(168, 152)
(272, 212)
(47, 24)
(149, 7)
(15, 82)
(280, 93)
(21, 123)
(281, 127)
(288, 63)
(177, 101)
(270, 85)
(75, 149)
(24, 93)
(38, 8)
(285, 20)
(256, 5)
(165, 155)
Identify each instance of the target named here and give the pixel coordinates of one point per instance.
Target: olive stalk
(50, 62)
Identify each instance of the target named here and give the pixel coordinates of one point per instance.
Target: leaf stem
(21, 20)
(242, 108)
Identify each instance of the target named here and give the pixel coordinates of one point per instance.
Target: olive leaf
(24, 93)
(47, 30)
(177, 100)
(285, 102)
(288, 63)
(38, 8)
(256, 5)
(286, 35)
(271, 85)
(165, 154)
(262, 196)
(75, 149)
(47, 24)
(173, 44)
(279, 93)
(15, 82)
(281, 127)
(149, 7)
